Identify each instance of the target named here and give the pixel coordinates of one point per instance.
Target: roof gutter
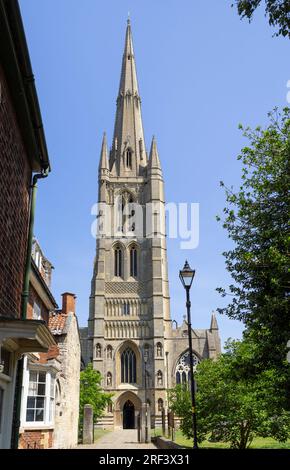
(14, 55)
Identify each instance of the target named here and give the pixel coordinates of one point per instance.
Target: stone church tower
(130, 337)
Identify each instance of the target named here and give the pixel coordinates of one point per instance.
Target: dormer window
(129, 158)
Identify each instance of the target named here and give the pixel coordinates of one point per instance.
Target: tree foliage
(257, 220)
(232, 407)
(91, 393)
(277, 11)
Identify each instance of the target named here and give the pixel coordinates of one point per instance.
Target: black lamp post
(146, 411)
(186, 276)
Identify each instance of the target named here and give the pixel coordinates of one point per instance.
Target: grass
(258, 442)
(98, 433)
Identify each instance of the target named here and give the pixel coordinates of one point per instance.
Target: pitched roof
(57, 322)
(15, 60)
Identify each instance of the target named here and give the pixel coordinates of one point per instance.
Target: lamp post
(186, 276)
(146, 411)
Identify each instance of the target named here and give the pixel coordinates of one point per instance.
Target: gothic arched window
(159, 350)
(182, 371)
(118, 259)
(98, 350)
(160, 405)
(133, 261)
(129, 158)
(128, 366)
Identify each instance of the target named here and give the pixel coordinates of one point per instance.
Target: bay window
(36, 397)
(39, 397)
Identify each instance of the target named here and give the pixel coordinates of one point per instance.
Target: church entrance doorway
(128, 415)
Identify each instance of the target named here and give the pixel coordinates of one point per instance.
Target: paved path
(119, 439)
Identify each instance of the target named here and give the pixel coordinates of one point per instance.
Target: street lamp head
(186, 275)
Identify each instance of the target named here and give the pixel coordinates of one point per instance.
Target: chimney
(68, 303)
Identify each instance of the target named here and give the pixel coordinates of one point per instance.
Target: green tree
(232, 408)
(277, 11)
(257, 221)
(91, 393)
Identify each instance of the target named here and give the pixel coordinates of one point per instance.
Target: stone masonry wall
(66, 419)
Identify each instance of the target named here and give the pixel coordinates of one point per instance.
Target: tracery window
(182, 371)
(128, 366)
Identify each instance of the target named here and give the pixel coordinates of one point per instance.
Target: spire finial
(128, 19)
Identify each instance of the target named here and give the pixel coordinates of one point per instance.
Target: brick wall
(36, 439)
(15, 176)
(52, 353)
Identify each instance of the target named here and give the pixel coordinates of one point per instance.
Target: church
(131, 339)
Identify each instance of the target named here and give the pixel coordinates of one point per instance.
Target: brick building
(50, 387)
(23, 153)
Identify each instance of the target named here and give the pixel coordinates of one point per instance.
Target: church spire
(154, 162)
(154, 165)
(128, 154)
(103, 165)
(213, 323)
(128, 81)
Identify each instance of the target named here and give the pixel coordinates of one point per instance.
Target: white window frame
(38, 259)
(49, 400)
(36, 311)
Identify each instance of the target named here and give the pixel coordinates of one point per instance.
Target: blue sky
(201, 72)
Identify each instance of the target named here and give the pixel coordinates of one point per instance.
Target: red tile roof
(56, 322)
(52, 353)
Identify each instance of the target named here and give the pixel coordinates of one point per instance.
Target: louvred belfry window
(129, 158)
(133, 262)
(118, 262)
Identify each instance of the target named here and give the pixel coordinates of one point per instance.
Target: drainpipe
(25, 291)
(23, 312)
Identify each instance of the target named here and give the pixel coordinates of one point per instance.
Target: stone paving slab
(119, 439)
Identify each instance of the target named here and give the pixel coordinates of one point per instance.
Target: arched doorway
(128, 415)
(121, 409)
